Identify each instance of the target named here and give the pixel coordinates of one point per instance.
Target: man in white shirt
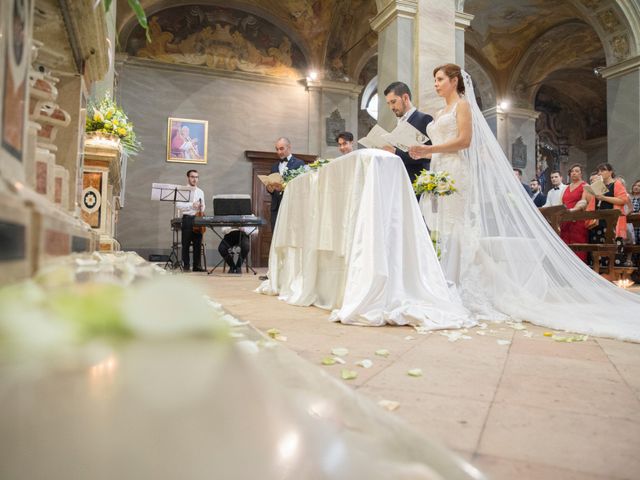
(188, 210)
(554, 195)
(345, 142)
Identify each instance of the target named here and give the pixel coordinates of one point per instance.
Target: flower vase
(102, 138)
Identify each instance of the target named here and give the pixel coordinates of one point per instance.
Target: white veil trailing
(513, 263)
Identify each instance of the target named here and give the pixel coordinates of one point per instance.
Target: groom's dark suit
(276, 197)
(420, 121)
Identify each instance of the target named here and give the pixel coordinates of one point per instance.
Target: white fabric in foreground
(349, 237)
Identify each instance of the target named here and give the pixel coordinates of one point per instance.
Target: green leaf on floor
(348, 374)
(340, 351)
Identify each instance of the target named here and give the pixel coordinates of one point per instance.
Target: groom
(398, 98)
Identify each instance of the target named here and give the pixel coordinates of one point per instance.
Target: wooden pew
(606, 249)
(558, 214)
(552, 214)
(633, 219)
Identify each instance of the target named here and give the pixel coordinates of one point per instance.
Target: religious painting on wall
(15, 72)
(187, 140)
(218, 38)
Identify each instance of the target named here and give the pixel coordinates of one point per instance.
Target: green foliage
(138, 10)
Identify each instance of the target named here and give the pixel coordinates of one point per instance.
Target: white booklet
(596, 188)
(272, 179)
(402, 137)
(375, 138)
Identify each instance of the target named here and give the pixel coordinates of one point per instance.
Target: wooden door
(261, 202)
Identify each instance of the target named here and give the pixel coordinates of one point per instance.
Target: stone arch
(483, 83)
(617, 23)
(560, 47)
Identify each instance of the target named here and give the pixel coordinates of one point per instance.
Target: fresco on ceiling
(218, 38)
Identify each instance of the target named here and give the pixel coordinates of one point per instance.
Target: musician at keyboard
(233, 213)
(235, 245)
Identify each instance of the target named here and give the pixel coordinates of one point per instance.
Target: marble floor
(516, 403)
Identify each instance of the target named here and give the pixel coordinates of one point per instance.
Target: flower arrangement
(320, 162)
(291, 174)
(434, 183)
(107, 116)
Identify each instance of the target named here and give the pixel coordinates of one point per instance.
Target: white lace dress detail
(451, 220)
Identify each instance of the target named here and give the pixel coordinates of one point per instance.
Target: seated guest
(635, 202)
(554, 195)
(537, 196)
(518, 173)
(575, 198)
(615, 197)
(235, 240)
(345, 142)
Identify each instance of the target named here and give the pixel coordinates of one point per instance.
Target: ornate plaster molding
(623, 68)
(392, 11)
(463, 20)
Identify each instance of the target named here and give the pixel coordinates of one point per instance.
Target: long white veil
(512, 262)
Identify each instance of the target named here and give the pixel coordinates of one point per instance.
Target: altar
(350, 238)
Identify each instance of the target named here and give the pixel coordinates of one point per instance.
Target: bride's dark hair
(452, 71)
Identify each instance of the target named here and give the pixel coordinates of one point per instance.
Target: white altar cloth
(350, 238)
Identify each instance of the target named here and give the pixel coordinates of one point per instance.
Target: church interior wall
(623, 113)
(242, 115)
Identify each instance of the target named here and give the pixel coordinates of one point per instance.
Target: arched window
(370, 98)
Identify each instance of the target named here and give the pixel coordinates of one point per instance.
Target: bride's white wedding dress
(503, 257)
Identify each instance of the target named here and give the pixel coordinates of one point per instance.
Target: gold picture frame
(187, 140)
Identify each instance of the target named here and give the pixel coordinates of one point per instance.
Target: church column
(106, 84)
(623, 117)
(396, 28)
(333, 108)
(515, 129)
(437, 39)
(463, 21)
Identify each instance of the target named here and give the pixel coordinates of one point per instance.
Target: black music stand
(166, 192)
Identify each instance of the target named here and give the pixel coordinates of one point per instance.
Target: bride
(502, 255)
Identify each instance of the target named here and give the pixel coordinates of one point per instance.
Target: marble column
(106, 84)
(623, 117)
(396, 27)
(437, 44)
(463, 21)
(515, 129)
(333, 107)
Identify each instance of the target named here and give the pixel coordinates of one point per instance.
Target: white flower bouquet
(434, 183)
